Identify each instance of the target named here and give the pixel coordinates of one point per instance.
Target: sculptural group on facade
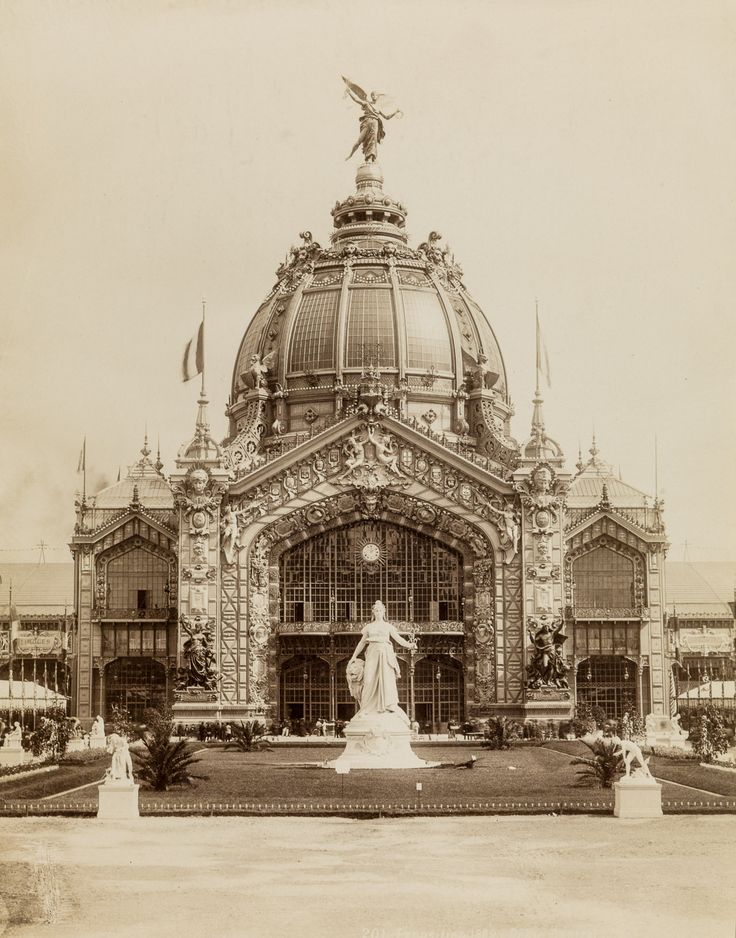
(547, 667)
(201, 671)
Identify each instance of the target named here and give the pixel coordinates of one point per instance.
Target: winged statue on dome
(375, 107)
(255, 376)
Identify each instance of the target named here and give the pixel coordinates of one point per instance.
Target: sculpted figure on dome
(374, 113)
(483, 375)
(259, 367)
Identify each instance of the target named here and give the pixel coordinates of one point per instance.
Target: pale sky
(154, 153)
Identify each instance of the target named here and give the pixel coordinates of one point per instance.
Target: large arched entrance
(134, 684)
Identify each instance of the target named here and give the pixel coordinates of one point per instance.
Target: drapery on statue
(547, 667)
(375, 689)
(371, 121)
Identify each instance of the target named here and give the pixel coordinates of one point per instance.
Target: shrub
(499, 733)
(85, 756)
(707, 733)
(163, 763)
(603, 767)
(583, 721)
(122, 723)
(248, 737)
(53, 734)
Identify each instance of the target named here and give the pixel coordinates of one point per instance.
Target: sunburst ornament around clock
(370, 552)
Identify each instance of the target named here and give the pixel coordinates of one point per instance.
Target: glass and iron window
(609, 682)
(253, 338)
(313, 342)
(134, 685)
(370, 333)
(137, 579)
(606, 638)
(337, 576)
(427, 335)
(603, 579)
(124, 639)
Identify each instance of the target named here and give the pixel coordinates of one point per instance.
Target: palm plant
(603, 767)
(500, 733)
(248, 737)
(163, 763)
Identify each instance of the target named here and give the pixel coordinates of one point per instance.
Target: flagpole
(10, 655)
(203, 348)
(539, 364)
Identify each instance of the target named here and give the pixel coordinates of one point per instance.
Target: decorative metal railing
(338, 628)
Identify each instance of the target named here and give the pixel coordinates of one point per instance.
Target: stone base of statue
(76, 745)
(665, 731)
(97, 742)
(14, 755)
(378, 741)
(637, 796)
(118, 800)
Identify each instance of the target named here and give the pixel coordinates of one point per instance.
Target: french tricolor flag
(193, 363)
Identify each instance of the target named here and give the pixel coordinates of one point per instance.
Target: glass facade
(253, 338)
(134, 685)
(137, 639)
(603, 579)
(137, 579)
(327, 578)
(370, 332)
(313, 342)
(427, 332)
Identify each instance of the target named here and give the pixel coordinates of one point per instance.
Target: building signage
(37, 643)
(704, 642)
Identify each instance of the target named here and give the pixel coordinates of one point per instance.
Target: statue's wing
(270, 359)
(560, 639)
(356, 89)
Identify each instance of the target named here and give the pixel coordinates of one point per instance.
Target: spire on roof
(540, 446)
(202, 447)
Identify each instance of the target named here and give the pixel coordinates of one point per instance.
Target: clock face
(371, 553)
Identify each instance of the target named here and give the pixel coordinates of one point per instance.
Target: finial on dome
(580, 465)
(158, 464)
(145, 451)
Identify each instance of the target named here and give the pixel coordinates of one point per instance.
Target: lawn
(293, 777)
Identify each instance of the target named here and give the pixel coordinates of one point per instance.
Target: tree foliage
(707, 733)
(53, 734)
(163, 763)
(602, 767)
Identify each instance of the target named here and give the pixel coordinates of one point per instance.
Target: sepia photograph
(367, 558)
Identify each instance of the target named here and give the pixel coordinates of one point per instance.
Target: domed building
(370, 456)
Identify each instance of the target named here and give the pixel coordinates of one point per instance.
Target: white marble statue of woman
(378, 693)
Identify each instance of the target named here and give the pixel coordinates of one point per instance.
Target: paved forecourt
(388, 878)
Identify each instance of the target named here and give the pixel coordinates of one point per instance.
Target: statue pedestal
(75, 745)
(14, 755)
(97, 742)
(665, 731)
(118, 801)
(637, 797)
(378, 741)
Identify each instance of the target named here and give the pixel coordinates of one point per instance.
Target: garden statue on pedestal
(118, 794)
(379, 735)
(13, 738)
(638, 794)
(121, 767)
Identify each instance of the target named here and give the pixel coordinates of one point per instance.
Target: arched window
(137, 579)
(338, 575)
(603, 579)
